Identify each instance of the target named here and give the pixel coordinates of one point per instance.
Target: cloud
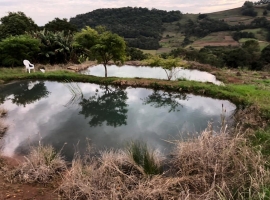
(44, 11)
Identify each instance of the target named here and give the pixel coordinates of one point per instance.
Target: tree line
(61, 44)
(248, 56)
(54, 46)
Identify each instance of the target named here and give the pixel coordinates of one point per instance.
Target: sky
(43, 11)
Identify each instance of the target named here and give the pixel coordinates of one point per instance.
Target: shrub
(14, 49)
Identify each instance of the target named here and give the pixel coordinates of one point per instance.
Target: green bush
(14, 49)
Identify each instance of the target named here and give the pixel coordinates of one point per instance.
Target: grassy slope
(232, 17)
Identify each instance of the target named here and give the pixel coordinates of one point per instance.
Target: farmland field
(215, 39)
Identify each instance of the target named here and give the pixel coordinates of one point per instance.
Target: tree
(109, 47)
(16, 24)
(202, 16)
(85, 40)
(109, 106)
(14, 49)
(265, 13)
(135, 54)
(248, 9)
(169, 64)
(237, 58)
(252, 47)
(242, 34)
(57, 25)
(104, 46)
(265, 56)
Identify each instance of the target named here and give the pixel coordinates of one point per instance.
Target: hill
(215, 29)
(164, 31)
(141, 27)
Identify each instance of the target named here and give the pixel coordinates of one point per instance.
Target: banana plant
(56, 47)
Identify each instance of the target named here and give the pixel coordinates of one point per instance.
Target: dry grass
(41, 165)
(212, 166)
(99, 178)
(218, 166)
(113, 176)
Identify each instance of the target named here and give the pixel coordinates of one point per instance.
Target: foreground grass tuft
(40, 166)
(145, 158)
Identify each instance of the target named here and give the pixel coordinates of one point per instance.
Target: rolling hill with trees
(141, 27)
(150, 29)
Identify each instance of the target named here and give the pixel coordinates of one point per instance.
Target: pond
(128, 71)
(73, 115)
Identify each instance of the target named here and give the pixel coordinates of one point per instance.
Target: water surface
(73, 115)
(128, 71)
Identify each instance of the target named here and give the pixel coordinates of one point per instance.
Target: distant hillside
(164, 31)
(141, 27)
(215, 29)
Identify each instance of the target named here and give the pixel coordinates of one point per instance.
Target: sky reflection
(50, 121)
(128, 71)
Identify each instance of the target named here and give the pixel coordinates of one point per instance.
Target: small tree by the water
(169, 64)
(102, 45)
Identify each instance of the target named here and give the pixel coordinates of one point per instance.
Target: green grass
(261, 141)
(144, 157)
(152, 52)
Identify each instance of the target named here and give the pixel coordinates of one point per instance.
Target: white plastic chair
(28, 65)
